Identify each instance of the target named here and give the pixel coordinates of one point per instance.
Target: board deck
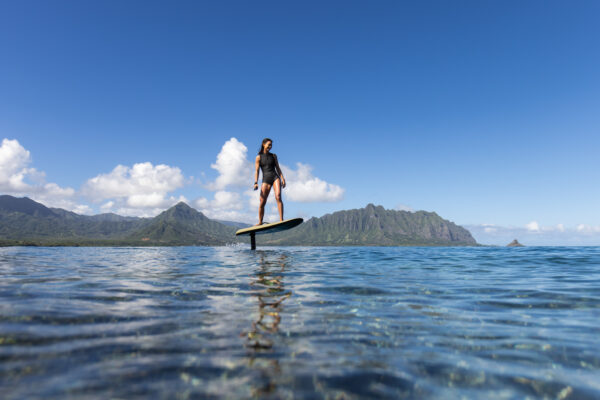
(270, 228)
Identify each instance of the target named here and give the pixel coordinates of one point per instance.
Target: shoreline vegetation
(24, 222)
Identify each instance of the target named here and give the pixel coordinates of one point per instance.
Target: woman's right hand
(256, 186)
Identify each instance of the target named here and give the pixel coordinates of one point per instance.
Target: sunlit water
(192, 322)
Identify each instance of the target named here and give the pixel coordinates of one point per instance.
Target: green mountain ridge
(26, 222)
(374, 226)
(22, 219)
(182, 224)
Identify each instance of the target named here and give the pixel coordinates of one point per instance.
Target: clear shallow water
(227, 322)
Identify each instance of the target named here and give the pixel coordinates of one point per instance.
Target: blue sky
(483, 111)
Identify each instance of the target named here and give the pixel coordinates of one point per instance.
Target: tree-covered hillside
(26, 222)
(374, 226)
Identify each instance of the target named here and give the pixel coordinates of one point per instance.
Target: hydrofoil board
(270, 228)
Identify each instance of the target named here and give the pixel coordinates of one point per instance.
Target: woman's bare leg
(264, 193)
(277, 186)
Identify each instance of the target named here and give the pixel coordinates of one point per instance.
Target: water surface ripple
(302, 323)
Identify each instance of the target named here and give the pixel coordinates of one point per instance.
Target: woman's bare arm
(257, 167)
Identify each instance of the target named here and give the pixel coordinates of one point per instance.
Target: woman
(272, 177)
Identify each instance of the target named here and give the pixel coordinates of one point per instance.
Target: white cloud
(108, 206)
(53, 190)
(225, 206)
(14, 161)
(303, 187)
(139, 212)
(140, 190)
(271, 217)
(222, 200)
(533, 226)
(18, 179)
(141, 179)
(403, 207)
(254, 198)
(83, 209)
(588, 229)
(231, 200)
(232, 165)
(52, 195)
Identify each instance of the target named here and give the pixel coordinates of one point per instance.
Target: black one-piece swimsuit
(267, 165)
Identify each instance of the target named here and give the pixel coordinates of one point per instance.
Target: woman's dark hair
(262, 146)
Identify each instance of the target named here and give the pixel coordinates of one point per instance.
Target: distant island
(514, 243)
(25, 222)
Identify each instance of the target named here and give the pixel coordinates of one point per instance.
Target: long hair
(262, 146)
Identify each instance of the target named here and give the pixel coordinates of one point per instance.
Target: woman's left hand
(283, 183)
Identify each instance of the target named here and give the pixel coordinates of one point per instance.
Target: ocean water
(302, 323)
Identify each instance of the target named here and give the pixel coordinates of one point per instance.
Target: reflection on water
(300, 323)
(270, 294)
(262, 337)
